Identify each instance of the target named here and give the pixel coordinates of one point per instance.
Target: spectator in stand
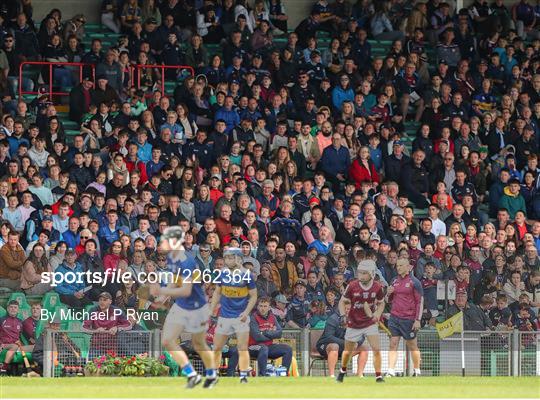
(12, 259)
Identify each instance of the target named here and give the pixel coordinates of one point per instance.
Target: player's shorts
(228, 326)
(321, 348)
(401, 327)
(193, 321)
(359, 335)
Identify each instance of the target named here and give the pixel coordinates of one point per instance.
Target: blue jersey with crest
(185, 269)
(235, 292)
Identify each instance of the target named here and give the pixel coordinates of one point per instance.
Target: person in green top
(512, 200)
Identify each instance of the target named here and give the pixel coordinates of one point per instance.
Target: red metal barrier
(138, 67)
(51, 65)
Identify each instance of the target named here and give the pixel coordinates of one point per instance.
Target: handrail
(52, 64)
(163, 67)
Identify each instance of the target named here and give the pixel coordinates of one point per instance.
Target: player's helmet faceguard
(233, 257)
(175, 236)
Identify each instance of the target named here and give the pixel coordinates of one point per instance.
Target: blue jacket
(70, 288)
(321, 247)
(289, 229)
(230, 117)
(71, 239)
(339, 95)
(203, 210)
(145, 152)
(106, 236)
(334, 161)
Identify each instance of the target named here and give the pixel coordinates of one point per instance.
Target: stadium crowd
(296, 154)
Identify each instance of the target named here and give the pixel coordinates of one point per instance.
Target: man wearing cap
(71, 291)
(474, 319)
(406, 295)
(415, 179)
(103, 92)
(80, 99)
(367, 305)
(512, 200)
(104, 322)
(111, 69)
(298, 308)
(394, 164)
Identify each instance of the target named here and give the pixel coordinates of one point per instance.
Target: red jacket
(359, 173)
(140, 166)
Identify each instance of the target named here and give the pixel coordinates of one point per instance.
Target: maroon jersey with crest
(357, 317)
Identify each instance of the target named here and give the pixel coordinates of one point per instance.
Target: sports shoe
(243, 379)
(379, 379)
(390, 375)
(209, 383)
(341, 376)
(193, 381)
(416, 374)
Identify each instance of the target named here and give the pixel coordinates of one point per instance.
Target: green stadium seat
(20, 297)
(3, 312)
(40, 327)
(25, 311)
(51, 300)
(70, 125)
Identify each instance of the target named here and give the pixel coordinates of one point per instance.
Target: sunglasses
(85, 237)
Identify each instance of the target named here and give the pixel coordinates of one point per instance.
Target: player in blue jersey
(236, 293)
(189, 313)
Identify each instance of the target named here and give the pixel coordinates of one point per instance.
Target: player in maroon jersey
(367, 304)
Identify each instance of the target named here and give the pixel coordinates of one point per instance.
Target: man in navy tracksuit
(263, 329)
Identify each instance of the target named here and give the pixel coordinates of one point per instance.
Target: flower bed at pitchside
(113, 365)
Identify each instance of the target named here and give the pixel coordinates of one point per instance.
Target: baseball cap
(386, 242)
(105, 295)
(510, 149)
(280, 298)
(151, 20)
(299, 283)
(443, 61)
(217, 176)
(47, 218)
(375, 237)
(398, 143)
(314, 200)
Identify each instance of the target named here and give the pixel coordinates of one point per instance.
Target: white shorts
(359, 335)
(228, 326)
(193, 321)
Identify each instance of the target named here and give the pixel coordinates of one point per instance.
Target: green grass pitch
(320, 387)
